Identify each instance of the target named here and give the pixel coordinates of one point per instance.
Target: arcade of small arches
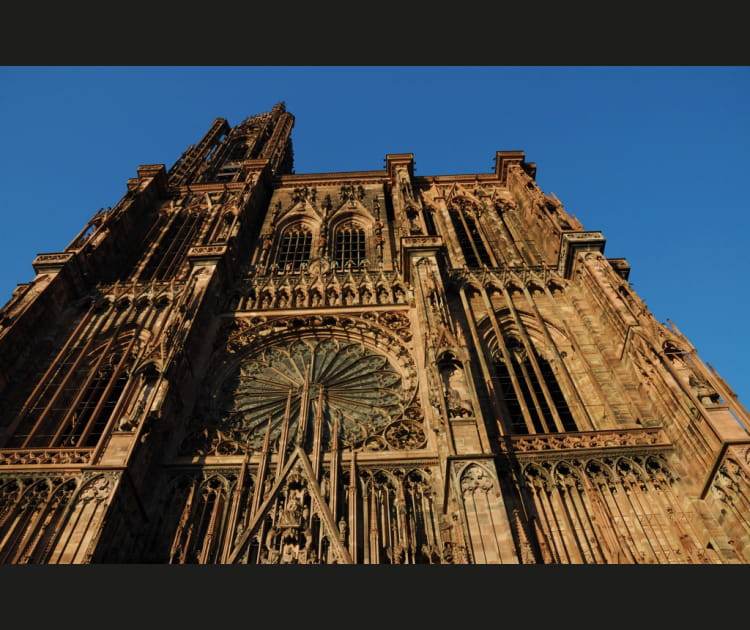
(597, 472)
(319, 289)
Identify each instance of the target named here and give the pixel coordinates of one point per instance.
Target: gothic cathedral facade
(238, 364)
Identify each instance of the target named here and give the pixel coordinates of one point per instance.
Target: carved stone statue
(456, 393)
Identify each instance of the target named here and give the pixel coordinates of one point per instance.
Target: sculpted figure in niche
(267, 242)
(322, 240)
(457, 398)
(291, 516)
(333, 297)
(414, 227)
(289, 551)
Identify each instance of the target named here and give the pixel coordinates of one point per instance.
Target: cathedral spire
(224, 152)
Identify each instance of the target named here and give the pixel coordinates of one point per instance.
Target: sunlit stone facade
(241, 364)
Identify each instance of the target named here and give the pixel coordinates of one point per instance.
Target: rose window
(313, 379)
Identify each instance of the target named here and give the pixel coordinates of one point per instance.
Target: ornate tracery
(32, 508)
(353, 374)
(527, 384)
(75, 399)
(294, 248)
(349, 245)
(463, 219)
(335, 379)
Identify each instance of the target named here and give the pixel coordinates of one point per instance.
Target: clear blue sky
(657, 158)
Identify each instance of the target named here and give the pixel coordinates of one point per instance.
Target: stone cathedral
(239, 364)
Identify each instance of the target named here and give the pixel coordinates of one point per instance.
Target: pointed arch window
(531, 393)
(349, 246)
(166, 257)
(469, 238)
(74, 404)
(294, 248)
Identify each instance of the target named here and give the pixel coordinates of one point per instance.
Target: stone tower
(240, 364)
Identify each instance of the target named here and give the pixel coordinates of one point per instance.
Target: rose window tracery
(334, 380)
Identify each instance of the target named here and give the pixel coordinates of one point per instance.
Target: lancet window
(76, 398)
(202, 522)
(530, 392)
(294, 248)
(168, 255)
(469, 238)
(349, 246)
